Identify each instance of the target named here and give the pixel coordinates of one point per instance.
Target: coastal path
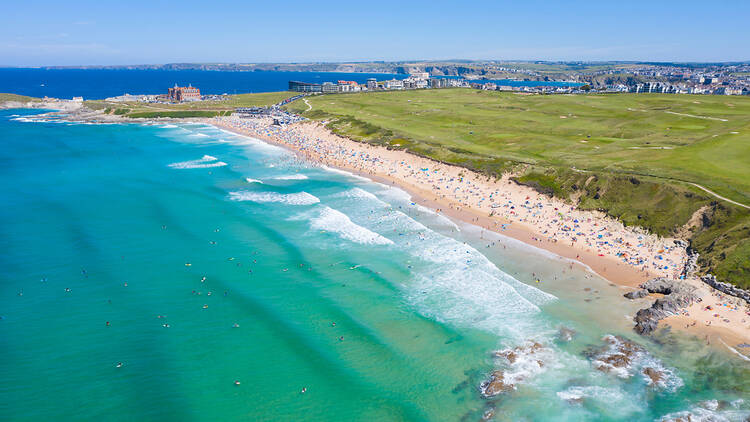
(719, 196)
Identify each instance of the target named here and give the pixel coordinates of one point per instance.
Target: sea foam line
(292, 177)
(337, 222)
(206, 161)
(299, 198)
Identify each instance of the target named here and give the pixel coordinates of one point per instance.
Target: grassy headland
(189, 109)
(4, 97)
(632, 156)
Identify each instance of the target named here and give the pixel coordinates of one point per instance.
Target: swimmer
(236, 382)
(304, 390)
(187, 264)
(205, 306)
(203, 279)
(119, 365)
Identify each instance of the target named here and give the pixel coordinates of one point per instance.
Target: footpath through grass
(630, 155)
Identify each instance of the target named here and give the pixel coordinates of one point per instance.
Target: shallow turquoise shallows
(183, 273)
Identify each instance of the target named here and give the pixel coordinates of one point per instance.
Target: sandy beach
(625, 256)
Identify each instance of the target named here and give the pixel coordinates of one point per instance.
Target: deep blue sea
(95, 84)
(513, 82)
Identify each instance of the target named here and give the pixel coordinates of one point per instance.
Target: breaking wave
(337, 222)
(291, 177)
(206, 161)
(299, 198)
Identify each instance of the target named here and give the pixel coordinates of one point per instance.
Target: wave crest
(206, 161)
(299, 198)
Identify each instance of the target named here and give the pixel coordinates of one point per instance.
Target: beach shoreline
(315, 143)
(606, 258)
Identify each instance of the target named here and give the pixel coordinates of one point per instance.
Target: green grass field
(14, 97)
(631, 155)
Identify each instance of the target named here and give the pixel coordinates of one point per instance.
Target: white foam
(169, 126)
(593, 392)
(699, 414)
(292, 177)
(206, 161)
(299, 198)
(337, 222)
(250, 180)
(735, 351)
(198, 135)
(345, 173)
(454, 283)
(358, 193)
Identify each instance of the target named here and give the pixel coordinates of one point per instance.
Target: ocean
(97, 84)
(177, 272)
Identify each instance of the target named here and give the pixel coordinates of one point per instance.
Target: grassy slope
(199, 108)
(641, 185)
(14, 97)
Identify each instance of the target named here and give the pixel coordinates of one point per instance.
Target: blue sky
(34, 33)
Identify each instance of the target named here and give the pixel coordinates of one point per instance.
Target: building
(184, 93)
(348, 86)
(305, 87)
(394, 84)
(329, 88)
(372, 84)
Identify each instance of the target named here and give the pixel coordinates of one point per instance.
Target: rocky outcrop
(677, 295)
(625, 358)
(619, 353)
(691, 266)
(636, 294)
(726, 288)
(565, 334)
(495, 385)
(655, 376)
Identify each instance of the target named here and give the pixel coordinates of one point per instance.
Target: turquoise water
(314, 279)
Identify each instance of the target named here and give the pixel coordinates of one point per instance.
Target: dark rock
(495, 385)
(565, 334)
(619, 354)
(726, 288)
(677, 295)
(508, 354)
(654, 375)
(636, 294)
